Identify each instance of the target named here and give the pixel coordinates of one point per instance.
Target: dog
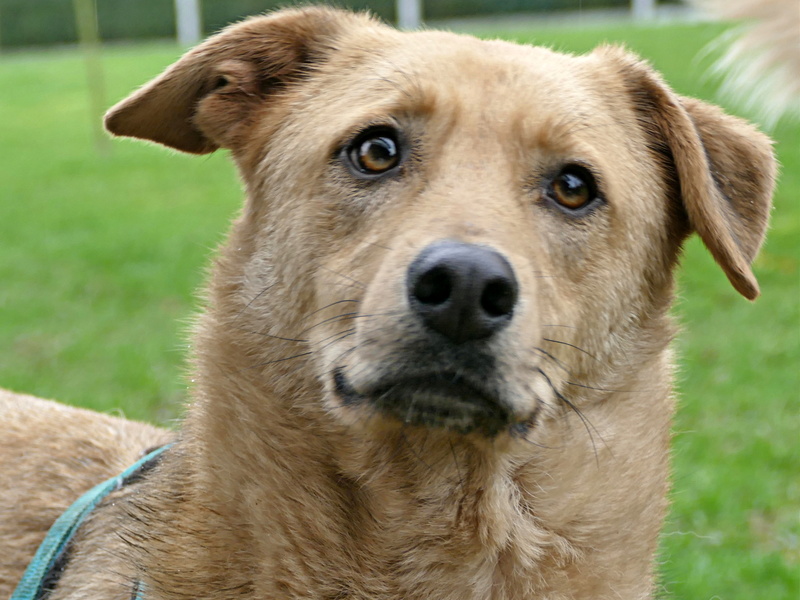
(435, 357)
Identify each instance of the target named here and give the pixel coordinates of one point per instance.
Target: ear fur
(225, 77)
(724, 167)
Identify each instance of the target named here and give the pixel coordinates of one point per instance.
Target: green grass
(100, 257)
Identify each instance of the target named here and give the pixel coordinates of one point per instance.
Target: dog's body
(435, 360)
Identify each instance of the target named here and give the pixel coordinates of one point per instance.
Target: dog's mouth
(439, 400)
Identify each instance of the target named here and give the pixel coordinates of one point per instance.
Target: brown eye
(573, 188)
(375, 151)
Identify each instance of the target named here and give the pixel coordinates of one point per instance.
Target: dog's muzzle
(460, 295)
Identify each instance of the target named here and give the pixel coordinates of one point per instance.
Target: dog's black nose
(463, 291)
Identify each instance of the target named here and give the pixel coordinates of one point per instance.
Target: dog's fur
(283, 486)
(761, 65)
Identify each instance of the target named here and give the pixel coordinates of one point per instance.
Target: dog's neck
(413, 508)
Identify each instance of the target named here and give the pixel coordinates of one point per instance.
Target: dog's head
(466, 235)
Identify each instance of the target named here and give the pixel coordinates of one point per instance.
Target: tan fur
(277, 489)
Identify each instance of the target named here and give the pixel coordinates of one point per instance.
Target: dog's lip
(436, 399)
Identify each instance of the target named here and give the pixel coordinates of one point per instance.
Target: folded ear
(724, 168)
(200, 102)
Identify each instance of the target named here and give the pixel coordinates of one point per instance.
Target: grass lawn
(100, 257)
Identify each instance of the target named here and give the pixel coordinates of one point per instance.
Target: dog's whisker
(336, 335)
(586, 422)
(341, 317)
(461, 482)
(417, 455)
(338, 339)
(249, 304)
(343, 276)
(599, 389)
(543, 275)
(350, 316)
(552, 358)
(335, 361)
(327, 306)
(381, 246)
(589, 354)
(345, 285)
(521, 431)
(525, 439)
(275, 361)
(271, 336)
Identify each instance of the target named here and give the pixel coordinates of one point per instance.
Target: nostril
(434, 287)
(498, 298)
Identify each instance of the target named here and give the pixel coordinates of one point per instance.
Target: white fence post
(187, 18)
(643, 10)
(409, 14)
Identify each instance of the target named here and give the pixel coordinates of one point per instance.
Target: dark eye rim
(596, 197)
(346, 153)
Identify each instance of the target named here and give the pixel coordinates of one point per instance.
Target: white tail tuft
(761, 67)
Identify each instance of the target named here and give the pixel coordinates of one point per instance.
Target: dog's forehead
(461, 70)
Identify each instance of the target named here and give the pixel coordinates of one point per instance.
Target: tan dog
(435, 360)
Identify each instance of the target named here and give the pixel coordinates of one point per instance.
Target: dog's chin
(436, 401)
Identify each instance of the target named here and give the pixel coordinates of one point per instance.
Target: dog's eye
(573, 188)
(375, 151)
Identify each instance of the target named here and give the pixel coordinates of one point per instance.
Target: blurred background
(104, 243)
(26, 23)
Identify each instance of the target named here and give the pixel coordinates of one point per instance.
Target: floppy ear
(724, 168)
(203, 100)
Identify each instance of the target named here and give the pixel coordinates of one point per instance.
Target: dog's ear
(199, 103)
(724, 168)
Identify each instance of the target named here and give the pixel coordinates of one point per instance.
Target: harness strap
(46, 563)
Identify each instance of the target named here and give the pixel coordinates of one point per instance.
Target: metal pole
(187, 19)
(643, 10)
(409, 14)
(89, 38)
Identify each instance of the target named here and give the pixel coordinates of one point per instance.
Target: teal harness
(44, 570)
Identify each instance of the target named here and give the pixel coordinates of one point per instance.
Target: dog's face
(479, 224)
(465, 235)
